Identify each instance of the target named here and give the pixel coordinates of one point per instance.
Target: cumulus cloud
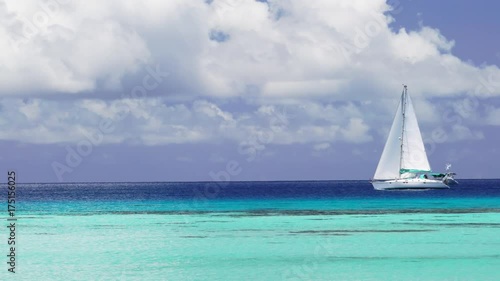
(335, 66)
(279, 49)
(152, 121)
(44, 44)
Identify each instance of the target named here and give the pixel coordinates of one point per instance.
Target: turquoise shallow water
(65, 234)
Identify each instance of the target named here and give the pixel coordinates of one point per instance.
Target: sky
(243, 90)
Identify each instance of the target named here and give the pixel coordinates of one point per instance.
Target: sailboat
(404, 164)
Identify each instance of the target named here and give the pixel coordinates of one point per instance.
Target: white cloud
(152, 121)
(356, 131)
(493, 116)
(321, 146)
(281, 49)
(56, 50)
(313, 72)
(30, 109)
(461, 132)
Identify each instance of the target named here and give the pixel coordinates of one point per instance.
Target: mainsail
(404, 150)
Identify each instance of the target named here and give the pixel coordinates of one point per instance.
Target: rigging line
(403, 111)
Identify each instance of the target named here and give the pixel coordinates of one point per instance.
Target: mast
(403, 111)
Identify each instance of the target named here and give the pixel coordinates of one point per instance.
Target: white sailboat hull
(409, 184)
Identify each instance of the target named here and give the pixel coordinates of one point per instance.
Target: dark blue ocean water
(242, 190)
(470, 195)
